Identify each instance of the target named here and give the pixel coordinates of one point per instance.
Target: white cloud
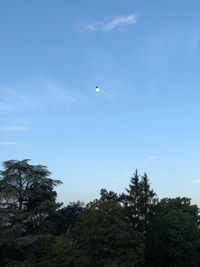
(107, 25)
(8, 143)
(120, 21)
(196, 181)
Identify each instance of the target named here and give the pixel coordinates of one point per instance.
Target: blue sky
(144, 56)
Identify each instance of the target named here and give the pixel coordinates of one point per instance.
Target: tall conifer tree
(139, 200)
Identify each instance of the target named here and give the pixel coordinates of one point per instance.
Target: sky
(145, 58)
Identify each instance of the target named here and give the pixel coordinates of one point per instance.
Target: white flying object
(97, 89)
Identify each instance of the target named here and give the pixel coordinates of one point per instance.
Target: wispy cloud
(149, 161)
(196, 181)
(8, 143)
(152, 157)
(107, 95)
(106, 25)
(14, 128)
(38, 96)
(125, 175)
(61, 97)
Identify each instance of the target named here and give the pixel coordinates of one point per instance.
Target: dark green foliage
(66, 217)
(139, 202)
(105, 237)
(19, 251)
(127, 230)
(173, 235)
(105, 195)
(25, 186)
(27, 200)
(101, 238)
(59, 251)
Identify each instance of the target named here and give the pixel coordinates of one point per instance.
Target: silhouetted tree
(66, 217)
(104, 237)
(27, 198)
(173, 237)
(139, 201)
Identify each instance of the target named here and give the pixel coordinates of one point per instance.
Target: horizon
(143, 57)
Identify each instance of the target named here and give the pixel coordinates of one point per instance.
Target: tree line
(131, 229)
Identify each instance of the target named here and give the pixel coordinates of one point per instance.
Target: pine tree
(148, 201)
(139, 201)
(132, 200)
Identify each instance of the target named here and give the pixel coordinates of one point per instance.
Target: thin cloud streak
(8, 143)
(40, 97)
(120, 21)
(108, 25)
(61, 97)
(43, 96)
(125, 175)
(107, 96)
(14, 128)
(196, 181)
(152, 158)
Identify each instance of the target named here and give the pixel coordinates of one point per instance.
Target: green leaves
(24, 185)
(100, 238)
(27, 200)
(173, 235)
(127, 230)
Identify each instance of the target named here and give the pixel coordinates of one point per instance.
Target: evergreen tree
(139, 201)
(147, 201)
(27, 199)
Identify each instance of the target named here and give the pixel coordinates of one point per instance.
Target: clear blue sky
(145, 57)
